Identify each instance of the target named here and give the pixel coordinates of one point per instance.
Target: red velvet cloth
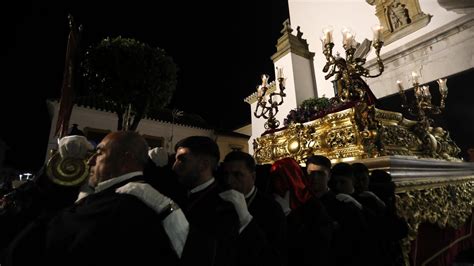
(440, 246)
(286, 174)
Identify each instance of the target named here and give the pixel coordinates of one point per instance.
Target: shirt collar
(251, 196)
(248, 195)
(202, 186)
(110, 182)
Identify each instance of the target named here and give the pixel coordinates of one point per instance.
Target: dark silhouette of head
(316, 163)
(361, 177)
(342, 178)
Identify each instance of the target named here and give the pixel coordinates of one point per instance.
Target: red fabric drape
(286, 174)
(440, 246)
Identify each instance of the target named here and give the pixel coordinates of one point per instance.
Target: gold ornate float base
(429, 191)
(445, 204)
(358, 132)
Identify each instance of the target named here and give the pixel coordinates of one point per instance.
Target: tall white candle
(415, 77)
(279, 72)
(443, 87)
(400, 86)
(377, 30)
(327, 35)
(264, 80)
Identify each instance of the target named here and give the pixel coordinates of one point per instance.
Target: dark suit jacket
(214, 226)
(105, 228)
(310, 234)
(270, 224)
(352, 237)
(214, 237)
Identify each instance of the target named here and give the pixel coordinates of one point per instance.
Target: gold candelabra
(267, 105)
(436, 141)
(348, 72)
(422, 107)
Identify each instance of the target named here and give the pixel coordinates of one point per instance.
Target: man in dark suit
(104, 228)
(353, 239)
(238, 173)
(220, 216)
(221, 229)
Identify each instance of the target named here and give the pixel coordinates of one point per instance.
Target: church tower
(296, 62)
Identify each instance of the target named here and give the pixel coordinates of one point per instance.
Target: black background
(221, 49)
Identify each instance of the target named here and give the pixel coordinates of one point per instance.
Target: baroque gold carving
(444, 203)
(359, 132)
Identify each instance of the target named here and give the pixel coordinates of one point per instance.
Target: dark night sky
(221, 48)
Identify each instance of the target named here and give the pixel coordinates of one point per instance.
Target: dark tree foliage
(129, 73)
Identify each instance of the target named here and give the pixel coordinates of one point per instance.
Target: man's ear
(204, 163)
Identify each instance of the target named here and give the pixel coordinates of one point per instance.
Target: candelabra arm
(377, 45)
(327, 51)
(350, 55)
(261, 110)
(268, 108)
(442, 103)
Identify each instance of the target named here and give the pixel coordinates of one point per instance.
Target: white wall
(246, 130)
(313, 15)
(446, 51)
(86, 117)
(303, 78)
(228, 143)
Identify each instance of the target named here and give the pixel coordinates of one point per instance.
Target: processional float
(433, 185)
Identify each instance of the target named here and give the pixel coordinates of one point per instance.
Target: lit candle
(400, 86)
(443, 87)
(279, 72)
(347, 38)
(377, 30)
(415, 77)
(327, 35)
(264, 80)
(426, 91)
(259, 91)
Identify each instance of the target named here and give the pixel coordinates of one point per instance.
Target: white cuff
(177, 228)
(245, 223)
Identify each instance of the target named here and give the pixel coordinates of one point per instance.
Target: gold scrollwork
(443, 204)
(355, 133)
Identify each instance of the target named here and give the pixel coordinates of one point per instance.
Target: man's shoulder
(265, 204)
(109, 200)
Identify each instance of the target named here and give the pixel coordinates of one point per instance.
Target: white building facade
(97, 123)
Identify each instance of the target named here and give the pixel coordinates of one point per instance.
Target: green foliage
(316, 104)
(126, 71)
(308, 110)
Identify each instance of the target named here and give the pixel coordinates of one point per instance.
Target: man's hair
(380, 176)
(342, 170)
(133, 143)
(241, 156)
(201, 145)
(360, 168)
(319, 160)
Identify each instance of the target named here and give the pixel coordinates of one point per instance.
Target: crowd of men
(138, 208)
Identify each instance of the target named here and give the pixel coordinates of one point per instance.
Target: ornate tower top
(290, 43)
